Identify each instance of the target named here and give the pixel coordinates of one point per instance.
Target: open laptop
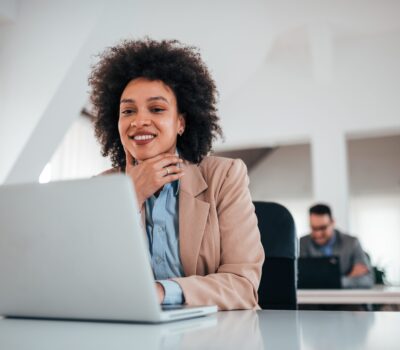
(76, 250)
(319, 273)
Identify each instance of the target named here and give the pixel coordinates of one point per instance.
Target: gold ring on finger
(167, 171)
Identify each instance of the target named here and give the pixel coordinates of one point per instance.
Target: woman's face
(149, 121)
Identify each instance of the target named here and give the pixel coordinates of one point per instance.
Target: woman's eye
(127, 111)
(157, 110)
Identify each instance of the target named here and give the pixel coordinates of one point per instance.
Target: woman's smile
(142, 138)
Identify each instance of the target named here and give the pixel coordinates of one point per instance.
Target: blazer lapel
(193, 213)
(143, 218)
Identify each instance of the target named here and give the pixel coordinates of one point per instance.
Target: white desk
(377, 295)
(268, 329)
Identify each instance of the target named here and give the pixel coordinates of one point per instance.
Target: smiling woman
(149, 116)
(155, 105)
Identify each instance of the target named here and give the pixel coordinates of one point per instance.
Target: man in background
(325, 240)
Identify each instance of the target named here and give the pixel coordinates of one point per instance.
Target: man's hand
(152, 174)
(160, 292)
(358, 270)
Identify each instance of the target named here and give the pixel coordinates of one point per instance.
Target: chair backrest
(278, 235)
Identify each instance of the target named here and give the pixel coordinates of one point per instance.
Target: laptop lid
(75, 249)
(319, 273)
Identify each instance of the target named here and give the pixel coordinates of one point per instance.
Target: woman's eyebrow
(155, 98)
(127, 100)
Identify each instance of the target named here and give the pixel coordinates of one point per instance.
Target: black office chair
(278, 235)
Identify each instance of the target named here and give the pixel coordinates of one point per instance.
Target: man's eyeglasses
(320, 228)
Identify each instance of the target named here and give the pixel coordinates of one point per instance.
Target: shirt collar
(177, 183)
(332, 241)
(328, 244)
(175, 186)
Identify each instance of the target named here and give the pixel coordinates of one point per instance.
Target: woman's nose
(141, 120)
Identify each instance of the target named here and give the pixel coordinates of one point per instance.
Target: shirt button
(159, 260)
(160, 230)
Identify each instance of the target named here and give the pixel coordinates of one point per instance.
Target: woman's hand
(160, 292)
(152, 174)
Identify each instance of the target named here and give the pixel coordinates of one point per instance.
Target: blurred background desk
(266, 329)
(376, 295)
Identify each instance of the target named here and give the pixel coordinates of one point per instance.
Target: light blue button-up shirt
(162, 227)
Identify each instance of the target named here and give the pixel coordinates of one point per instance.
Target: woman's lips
(143, 139)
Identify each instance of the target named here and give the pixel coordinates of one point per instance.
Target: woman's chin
(142, 156)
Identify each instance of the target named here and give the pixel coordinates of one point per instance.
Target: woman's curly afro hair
(176, 65)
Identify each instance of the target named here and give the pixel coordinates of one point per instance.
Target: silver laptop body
(76, 250)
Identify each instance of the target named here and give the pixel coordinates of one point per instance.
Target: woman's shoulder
(220, 162)
(214, 166)
(223, 175)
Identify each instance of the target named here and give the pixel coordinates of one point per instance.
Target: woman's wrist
(140, 203)
(160, 292)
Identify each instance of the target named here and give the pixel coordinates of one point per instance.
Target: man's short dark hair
(321, 209)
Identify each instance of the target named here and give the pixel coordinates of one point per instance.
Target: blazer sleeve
(359, 257)
(236, 281)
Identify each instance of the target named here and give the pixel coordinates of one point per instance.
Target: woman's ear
(181, 124)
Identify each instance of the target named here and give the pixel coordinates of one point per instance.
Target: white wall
(374, 171)
(375, 220)
(285, 176)
(374, 165)
(285, 172)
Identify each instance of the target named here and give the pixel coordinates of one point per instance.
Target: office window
(78, 155)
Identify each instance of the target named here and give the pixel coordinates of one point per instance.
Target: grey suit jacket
(349, 250)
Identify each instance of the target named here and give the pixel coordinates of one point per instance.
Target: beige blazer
(219, 240)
